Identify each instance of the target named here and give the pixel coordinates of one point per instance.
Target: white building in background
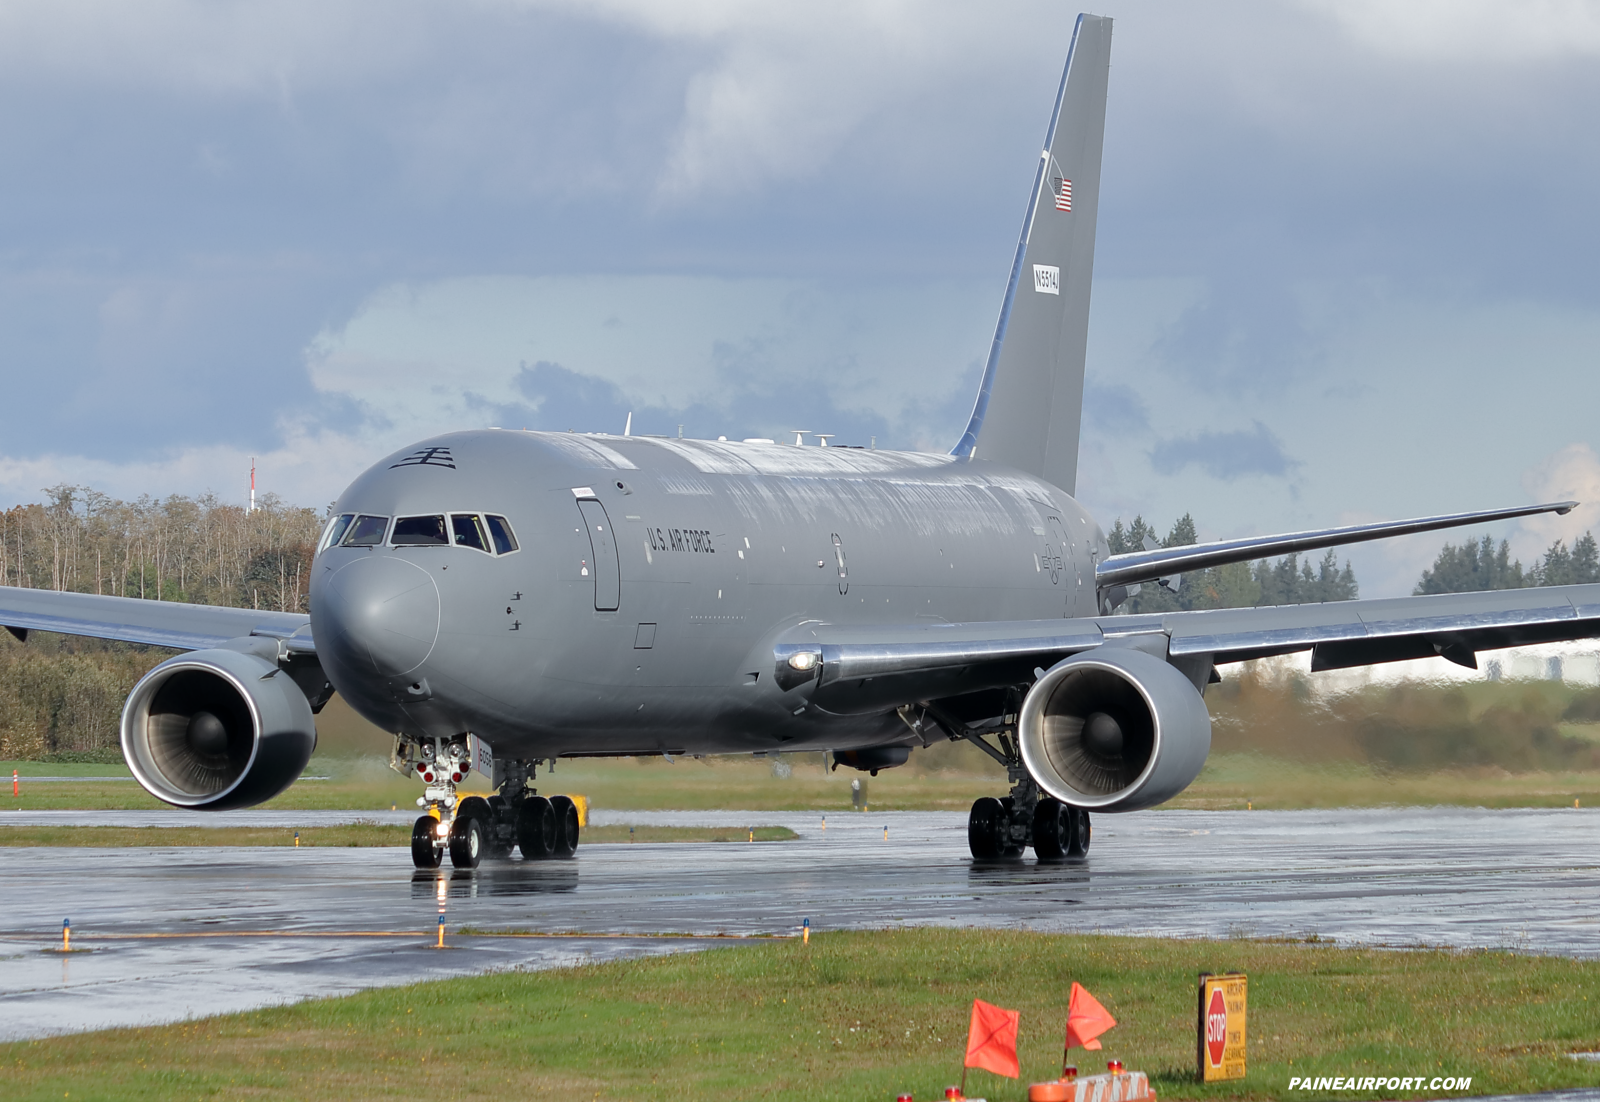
(1576, 663)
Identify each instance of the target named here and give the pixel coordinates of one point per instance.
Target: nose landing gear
(472, 828)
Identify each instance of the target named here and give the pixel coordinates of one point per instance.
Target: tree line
(195, 549)
(60, 697)
(1477, 565)
(1286, 581)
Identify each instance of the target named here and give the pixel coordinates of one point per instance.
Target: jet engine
(217, 729)
(1114, 729)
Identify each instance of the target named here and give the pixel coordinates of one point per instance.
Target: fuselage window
(366, 532)
(500, 529)
(419, 532)
(335, 530)
(468, 530)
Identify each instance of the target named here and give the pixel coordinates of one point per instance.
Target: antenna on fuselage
(627, 428)
(799, 436)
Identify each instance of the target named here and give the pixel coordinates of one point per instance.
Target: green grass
(857, 1016)
(1230, 780)
(60, 769)
(352, 834)
(1234, 781)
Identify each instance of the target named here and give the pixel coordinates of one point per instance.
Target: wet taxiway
(252, 927)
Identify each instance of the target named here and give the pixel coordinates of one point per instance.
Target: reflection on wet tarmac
(495, 878)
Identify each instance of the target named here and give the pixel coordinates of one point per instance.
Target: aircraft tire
(985, 823)
(536, 828)
(424, 854)
(466, 842)
(566, 817)
(1052, 829)
(1078, 837)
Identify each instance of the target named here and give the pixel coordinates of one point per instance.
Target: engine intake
(217, 729)
(1114, 729)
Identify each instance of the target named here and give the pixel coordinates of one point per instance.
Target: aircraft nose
(382, 612)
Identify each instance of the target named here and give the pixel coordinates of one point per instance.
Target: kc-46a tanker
(501, 599)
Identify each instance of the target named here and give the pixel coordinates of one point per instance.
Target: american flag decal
(1064, 195)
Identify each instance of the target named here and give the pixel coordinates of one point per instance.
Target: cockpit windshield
(418, 532)
(500, 529)
(366, 531)
(490, 534)
(335, 529)
(468, 530)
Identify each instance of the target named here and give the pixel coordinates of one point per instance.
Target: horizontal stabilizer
(1160, 562)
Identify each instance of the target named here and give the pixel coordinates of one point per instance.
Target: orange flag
(992, 1039)
(1086, 1019)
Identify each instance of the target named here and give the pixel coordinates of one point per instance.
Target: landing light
(803, 660)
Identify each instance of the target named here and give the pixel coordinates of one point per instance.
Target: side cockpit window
(468, 531)
(500, 531)
(366, 531)
(335, 530)
(419, 532)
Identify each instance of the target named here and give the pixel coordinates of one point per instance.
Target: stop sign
(1216, 1027)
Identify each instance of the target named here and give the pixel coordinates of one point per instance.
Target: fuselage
(651, 578)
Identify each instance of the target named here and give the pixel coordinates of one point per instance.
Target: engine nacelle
(1114, 729)
(217, 729)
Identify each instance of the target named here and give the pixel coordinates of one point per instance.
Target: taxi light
(443, 829)
(455, 776)
(803, 660)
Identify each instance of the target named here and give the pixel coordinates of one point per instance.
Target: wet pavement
(243, 928)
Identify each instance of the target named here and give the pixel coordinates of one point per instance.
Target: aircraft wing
(856, 669)
(160, 623)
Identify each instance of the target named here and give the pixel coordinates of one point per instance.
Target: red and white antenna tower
(252, 486)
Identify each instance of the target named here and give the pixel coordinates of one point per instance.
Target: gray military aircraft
(502, 599)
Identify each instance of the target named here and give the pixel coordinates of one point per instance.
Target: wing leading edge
(158, 623)
(858, 669)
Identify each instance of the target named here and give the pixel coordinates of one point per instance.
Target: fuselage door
(603, 545)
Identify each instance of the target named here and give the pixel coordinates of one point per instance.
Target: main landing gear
(474, 828)
(1001, 828)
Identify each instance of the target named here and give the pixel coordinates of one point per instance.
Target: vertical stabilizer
(1030, 403)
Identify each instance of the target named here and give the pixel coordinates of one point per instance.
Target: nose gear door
(603, 545)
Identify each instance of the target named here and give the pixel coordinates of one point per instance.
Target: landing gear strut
(472, 828)
(1000, 829)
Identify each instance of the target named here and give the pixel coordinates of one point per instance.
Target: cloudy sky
(1348, 259)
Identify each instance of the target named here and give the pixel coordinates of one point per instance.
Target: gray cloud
(1225, 455)
(1113, 408)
